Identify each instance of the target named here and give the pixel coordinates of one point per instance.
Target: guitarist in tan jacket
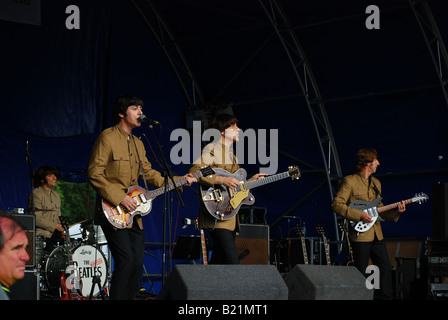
(220, 155)
(369, 244)
(113, 168)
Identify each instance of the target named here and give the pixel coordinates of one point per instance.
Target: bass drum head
(89, 261)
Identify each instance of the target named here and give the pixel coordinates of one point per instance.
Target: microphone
(144, 118)
(442, 158)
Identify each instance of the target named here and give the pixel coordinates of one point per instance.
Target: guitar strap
(377, 191)
(140, 163)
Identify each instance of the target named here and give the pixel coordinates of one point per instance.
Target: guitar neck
(157, 192)
(266, 180)
(392, 205)
(204, 248)
(327, 249)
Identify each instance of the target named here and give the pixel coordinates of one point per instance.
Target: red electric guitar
(71, 283)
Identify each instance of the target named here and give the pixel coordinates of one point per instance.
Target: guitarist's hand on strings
(401, 207)
(229, 182)
(365, 217)
(190, 179)
(129, 203)
(258, 176)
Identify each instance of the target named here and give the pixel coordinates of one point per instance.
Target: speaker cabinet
(224, 282)
(252, 244)
(323, 282)
(29, 222)
(440, 211)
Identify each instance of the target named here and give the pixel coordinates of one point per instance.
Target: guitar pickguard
(368, 207)
(119, 217)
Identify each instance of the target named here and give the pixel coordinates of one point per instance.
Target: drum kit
(83, 253)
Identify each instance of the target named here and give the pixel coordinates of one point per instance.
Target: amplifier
(252, 244)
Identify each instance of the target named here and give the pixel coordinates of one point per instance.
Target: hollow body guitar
(223, 203)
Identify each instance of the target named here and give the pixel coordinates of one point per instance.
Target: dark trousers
(377, 252)
(224, 248)
(127, 248)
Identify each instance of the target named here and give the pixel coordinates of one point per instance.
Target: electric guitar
(371, 209)
(302, 239)
(121, 218)
(349, 253)
(203, 244)
(71, 283)
(223, 203)
(321, 231)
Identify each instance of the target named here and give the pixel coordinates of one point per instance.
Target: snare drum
(87, 260)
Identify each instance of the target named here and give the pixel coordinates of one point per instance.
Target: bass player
(113, 168)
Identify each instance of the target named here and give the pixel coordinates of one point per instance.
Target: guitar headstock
(294, 172)
(343, 226)
(299, 231)
(420, 197)
(196, 223)
(207, 171)
(320, 230)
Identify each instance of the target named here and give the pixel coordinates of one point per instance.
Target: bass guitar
(223, 203)
(371, 209)
(121, 218)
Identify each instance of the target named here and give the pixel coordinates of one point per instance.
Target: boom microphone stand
(168, 175)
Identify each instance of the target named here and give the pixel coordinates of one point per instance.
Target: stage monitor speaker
(29, 222)
(440, 211)
(323, 282)
(224, 282)
(252, 244)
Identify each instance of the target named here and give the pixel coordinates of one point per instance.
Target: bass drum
(87, 260)
(54, 266)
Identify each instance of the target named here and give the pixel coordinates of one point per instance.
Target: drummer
(47, 206)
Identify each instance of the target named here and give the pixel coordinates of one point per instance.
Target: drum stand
(96, 279)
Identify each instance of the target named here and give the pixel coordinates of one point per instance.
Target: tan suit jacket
(114, 166)
(215, 155)
(354, 187)
(47, 208)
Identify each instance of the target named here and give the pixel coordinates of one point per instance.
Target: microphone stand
(30, 204)
(168, 175)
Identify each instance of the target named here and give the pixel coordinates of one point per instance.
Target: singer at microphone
(144, 118)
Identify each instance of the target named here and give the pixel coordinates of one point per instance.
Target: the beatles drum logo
(88, 262)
